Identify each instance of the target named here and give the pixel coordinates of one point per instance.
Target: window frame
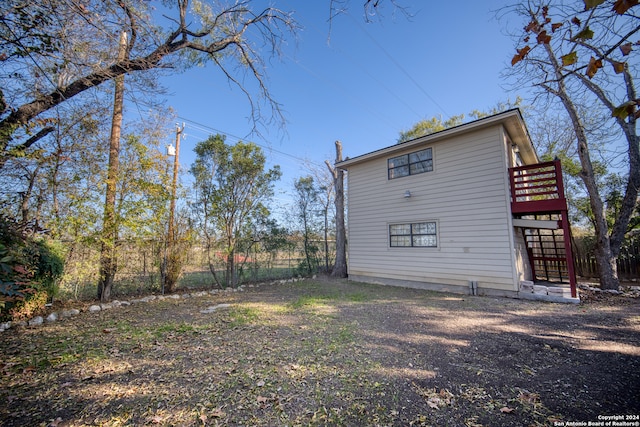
(411, 236)
(404, 160)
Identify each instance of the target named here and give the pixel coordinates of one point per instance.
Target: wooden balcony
(537, 189)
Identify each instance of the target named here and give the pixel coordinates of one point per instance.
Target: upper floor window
(410, 164)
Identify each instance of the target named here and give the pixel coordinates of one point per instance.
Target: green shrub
(30, 268)
(48, 261)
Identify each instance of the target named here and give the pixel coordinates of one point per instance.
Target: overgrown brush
(30, 268)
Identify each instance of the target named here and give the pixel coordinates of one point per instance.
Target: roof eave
(512, 121)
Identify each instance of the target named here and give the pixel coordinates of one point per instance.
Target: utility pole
(170, 276)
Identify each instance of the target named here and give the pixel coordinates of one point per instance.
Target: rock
(69, 313)
(4, 326)
(125, 303)
(213, 308)
(174, 296)
(94, 309)
(38, 320)
(52, 317)
(148, 299)
(106, 306)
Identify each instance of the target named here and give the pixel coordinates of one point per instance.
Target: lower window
(418, 234)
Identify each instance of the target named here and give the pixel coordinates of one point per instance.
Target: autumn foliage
(542, 29)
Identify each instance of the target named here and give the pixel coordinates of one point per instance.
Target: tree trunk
(231, 279)
(108, 264)
(307, 255)
(326, 238)
(26, 196)
(604, 256)
(340, 267)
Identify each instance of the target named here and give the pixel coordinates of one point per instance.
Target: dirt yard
(327, 353)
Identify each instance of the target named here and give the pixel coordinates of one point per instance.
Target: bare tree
(229, 36)
(562, 53)
(56, 50)
(340, 267)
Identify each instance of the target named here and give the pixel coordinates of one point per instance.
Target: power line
(365, 70)
(397, 64)
(342, 91)
(206, 128)
(210, 129)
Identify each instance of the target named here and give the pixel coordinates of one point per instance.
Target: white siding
(466, 194)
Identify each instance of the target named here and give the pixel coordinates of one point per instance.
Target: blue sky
(364, 86)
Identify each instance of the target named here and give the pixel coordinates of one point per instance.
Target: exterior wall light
(407, 194)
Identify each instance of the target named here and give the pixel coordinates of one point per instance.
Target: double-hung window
(418, 234)
(411, 163)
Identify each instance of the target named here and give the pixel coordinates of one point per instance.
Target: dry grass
(326, 353)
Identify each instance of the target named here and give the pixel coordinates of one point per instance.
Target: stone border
(96, 308)
(628, 291)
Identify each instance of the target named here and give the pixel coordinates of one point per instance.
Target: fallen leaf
(54, 423)
(218, 413)
(506, 410)
(260, 383)
(433, 402)
(262, 399)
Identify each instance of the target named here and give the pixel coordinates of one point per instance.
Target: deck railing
(537, 188)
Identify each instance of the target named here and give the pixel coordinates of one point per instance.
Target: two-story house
(469, 209)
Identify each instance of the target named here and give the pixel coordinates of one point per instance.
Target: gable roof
(511, 119)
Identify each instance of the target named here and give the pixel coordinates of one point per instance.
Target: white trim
(511, 120)
(536, 223)
(506, 161)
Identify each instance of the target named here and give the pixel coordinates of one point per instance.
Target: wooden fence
(628, 260)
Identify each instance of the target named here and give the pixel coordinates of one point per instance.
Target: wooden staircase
(548, 253)
(540, 209)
